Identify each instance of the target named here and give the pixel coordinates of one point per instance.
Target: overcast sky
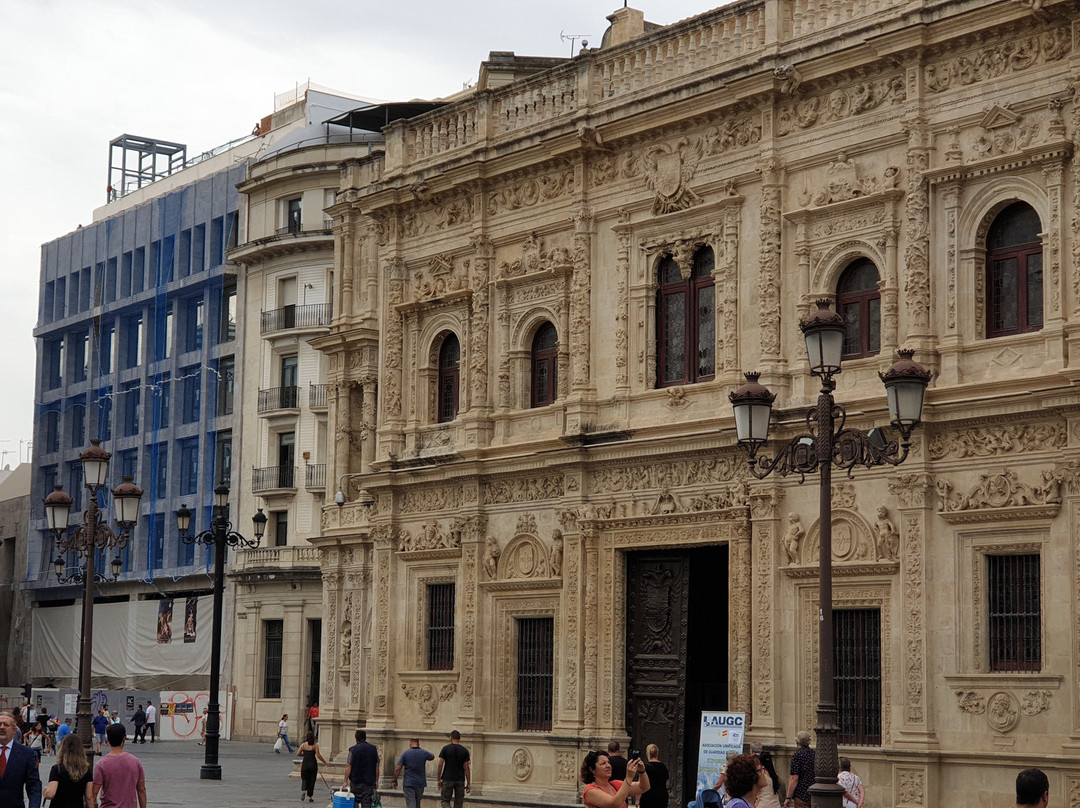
(77, 74)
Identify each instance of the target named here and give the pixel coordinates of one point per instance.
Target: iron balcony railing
(313, 315)
(272, 477)
(279, 398)
(317, 396)
(315, 476)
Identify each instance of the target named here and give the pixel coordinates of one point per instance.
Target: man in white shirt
(151, 722)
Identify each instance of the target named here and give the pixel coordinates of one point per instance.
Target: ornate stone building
(545, 291)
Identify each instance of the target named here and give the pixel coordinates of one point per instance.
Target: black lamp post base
(826, 795)
(212, 771)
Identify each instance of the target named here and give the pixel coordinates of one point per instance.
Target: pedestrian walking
(151, 722)
(802, 772)
(101, 723)
(455, 772)
(854, 794)
(18, 768)
(282, 733)
(659, 780)
(413, 762)
(71, 779)
(309, 752)
(139, 720)
(1032, 789)
(362, 770)
(119, 781)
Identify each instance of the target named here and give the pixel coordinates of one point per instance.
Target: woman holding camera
(603, 792)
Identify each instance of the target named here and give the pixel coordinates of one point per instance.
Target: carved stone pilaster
(765, 513)
(1054, 176)
(347, 250)
(727, 295)
(917, 228)
(580, 301)
(478, 353)
(474, 528)
(741, 621)
(772, 179)
(570, 715)
(382, 684)
(393, 345)
(590, 610)
(914, 491)
(622, 306)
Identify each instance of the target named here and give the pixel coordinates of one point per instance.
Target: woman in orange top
(603, 792)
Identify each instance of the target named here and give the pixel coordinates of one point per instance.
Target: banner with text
(720, 733)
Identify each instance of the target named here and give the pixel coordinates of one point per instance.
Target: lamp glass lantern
(258, 523)
(905, 387)
(95, 463)
(221, 496)
(824, 334)
(58, 510)
(126, 497)
(753, 411)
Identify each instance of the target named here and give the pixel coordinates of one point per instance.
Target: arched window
(449, 360)
(859, 303)
(685, 321)
(545, 366)
(1014, 277)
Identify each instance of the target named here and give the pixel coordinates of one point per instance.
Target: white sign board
(720, 733)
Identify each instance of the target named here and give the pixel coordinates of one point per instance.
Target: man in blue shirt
(63, 730)
(414, 761)
(101, 723)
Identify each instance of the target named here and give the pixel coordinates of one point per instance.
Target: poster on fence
(720, 733)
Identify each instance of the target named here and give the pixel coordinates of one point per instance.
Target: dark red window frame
(1014, 272)
(858, 301)
(685, 351)
(545, 366)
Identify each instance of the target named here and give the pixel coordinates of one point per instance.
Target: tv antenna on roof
(573, 38)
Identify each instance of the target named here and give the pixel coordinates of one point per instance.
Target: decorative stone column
(915, 493)
(569, 721)
(771, 169)
(917, 231)
(765, 513)
(473, 534)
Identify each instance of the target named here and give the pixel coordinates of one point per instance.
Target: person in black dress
(71, 777)
(309, 766)
(659, 780)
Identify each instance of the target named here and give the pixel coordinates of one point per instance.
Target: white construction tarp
(125, 643)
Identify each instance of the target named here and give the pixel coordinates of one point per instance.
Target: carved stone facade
(503, 212)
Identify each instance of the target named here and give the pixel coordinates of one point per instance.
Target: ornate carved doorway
(676, 653)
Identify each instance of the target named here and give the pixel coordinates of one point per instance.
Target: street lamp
(92, 535)
(829, 442)
(219, 535)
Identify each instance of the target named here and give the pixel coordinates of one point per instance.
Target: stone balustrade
(285, 557)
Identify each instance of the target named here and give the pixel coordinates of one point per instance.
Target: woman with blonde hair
(71, 778)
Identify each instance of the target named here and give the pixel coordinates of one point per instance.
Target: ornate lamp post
(828, 442)
(93, 534)
(219, 535)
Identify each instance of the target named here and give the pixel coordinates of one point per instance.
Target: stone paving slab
(251, 776)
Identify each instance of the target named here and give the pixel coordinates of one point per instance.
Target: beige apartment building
(286, 262)
(542, 295)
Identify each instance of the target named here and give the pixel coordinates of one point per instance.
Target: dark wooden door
(657, 597)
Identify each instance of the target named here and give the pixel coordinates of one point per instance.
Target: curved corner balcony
(286, 241)
(287, 318)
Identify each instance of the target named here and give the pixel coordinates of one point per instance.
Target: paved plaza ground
(251, 776)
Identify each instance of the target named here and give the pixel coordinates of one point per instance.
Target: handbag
(278, 744)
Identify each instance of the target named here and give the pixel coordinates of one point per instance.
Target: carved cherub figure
(556, 553)
(793, 537)
(888, 539)
(491, 557)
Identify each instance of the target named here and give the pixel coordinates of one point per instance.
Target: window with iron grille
(449, 360)
(440, 627)
(857, 675)
(1015, 608)
(274, 635)
(535, 667)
